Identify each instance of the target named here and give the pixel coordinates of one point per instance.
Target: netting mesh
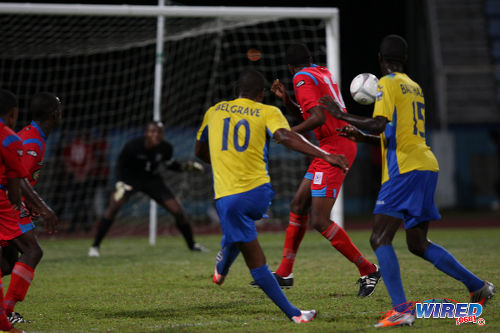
(103, 70)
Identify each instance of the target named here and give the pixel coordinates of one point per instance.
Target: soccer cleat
(367, 283)
(394, 318)
(199, 248)
(284, 282)
(482, 295)
(218, 278)
(305, 316)
(94, 251)
(16, 318)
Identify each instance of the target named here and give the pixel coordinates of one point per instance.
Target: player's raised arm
(279, 90)
(298, 143)
(354, 134)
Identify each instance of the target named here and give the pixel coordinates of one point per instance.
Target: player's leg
(162, 194)
(24, 269)
(336, 235)
(297, 226)
(10, 256)
(384, 229)
(5, 324)
(256, 262)
(419, 244)
(118, 198)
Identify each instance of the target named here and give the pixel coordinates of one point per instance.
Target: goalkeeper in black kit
(137, 172)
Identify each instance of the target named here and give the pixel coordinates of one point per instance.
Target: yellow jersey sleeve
(275, 120)
(202, 134)
(384, 101)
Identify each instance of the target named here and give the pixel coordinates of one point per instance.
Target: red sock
(20, 281)
(341, 241)
(297, 226)
(5, 324)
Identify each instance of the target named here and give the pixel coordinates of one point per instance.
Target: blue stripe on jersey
(204, 135)
(35, 125)
(308, 74)
(269, 135)
(390, 135)
(308, 175)
(3, 188)
(391, 75)
(35, 141)
(8, 140)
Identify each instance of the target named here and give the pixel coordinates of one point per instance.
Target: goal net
(103, 67)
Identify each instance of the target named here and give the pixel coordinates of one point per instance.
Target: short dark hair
(156, 123)
(298, 54)
(43, 104)
(8, 101)
(251, 83)
(394, 49)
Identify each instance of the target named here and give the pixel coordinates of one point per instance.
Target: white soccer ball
(364, 88)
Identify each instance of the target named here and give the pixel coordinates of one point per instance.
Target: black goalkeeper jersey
(137, 162)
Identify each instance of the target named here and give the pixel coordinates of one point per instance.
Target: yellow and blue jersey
(238, 133)
(401, 101)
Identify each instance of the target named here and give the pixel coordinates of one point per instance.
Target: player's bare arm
(297, 142)
(354, 134)
(188, 166)
(14, 191)
(316, 119)
(374, 125)
(279, 90)
(202, 152)
(38, 207)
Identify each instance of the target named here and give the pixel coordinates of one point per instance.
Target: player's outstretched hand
(193, 166)
(50, 219)
(350, 132)
(279, 90)
(331, 106)
(339, 161)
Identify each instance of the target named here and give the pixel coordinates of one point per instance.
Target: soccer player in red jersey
(46, 110)
(11, 174)
(321, 184)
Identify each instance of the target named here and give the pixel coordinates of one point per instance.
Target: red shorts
(326, 179)
(13, 222)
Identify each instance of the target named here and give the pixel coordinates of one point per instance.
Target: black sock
(102, 229)
(187, 233)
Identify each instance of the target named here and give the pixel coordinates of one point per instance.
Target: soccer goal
(118, 67)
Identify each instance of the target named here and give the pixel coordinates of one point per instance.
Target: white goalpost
(118, 66)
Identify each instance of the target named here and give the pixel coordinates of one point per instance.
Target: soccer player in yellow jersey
(234, 137)
(409, 178)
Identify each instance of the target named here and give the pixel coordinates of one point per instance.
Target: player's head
(46, 106)
(154, 133)
(9, 110)
(251, 85)
(298, 56)
(393, 53)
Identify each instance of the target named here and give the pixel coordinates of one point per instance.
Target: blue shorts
(410, 197)
(238, 213)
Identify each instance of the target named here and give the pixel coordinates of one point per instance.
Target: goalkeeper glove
(192, 166)
(120, 190)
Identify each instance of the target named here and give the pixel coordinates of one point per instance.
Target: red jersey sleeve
(12, 151)
(306, 91)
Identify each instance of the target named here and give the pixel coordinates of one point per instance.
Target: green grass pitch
(134, 287)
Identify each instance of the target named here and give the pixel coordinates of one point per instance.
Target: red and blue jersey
(11, 151)
(33, 140)
(310, 84)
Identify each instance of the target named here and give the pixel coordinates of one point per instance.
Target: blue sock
(266, 281)
(389, 268)
(225, 258)
(444, 261)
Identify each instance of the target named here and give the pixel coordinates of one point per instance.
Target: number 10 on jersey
(226, 133)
